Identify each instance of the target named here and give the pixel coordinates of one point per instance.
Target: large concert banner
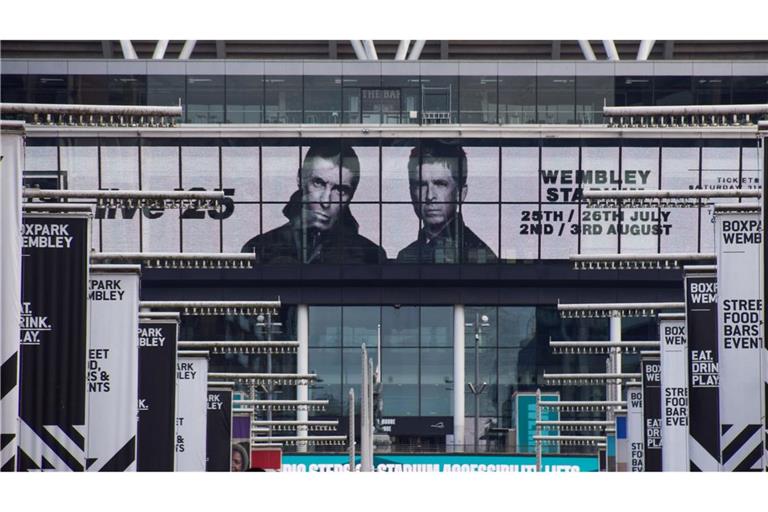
(53, 344)
(192, 412)
(651, 371)
(155, 436)
(218, 446)
(674, 392)
(738, 239)
(703, 368)
(12, 148)
(113, 367)
(635, 429)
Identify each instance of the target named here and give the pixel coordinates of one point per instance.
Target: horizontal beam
(207, 308)
(672, 194)
(36, 193)
(618, 306)
(591, 376)
(584, 403)
(243, 347)
(575, 423)
(295, 422)
(80, 109)
(264, 378)
(686, 110)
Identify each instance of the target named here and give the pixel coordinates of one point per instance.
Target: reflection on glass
(400, 326)
(361, 325)
(489, 374)
(205, 99)
(517, 99)
(436, 375)
(322, 99)
(400, 381)
(245, 99)
(478, 329)
(324, 326)
(479, 99)
(326, 364)
(517, 326)
(282, 99)
(556, 99)
(436, 326)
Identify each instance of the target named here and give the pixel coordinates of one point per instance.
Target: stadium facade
(428, 204)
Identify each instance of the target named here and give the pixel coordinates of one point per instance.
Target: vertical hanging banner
(113, 367)
(12, 148)
(218, 445)
(651, 371)
(703, 368)
(53, 341)
(155, 435)
(738, 241)
(191, 419)
(674, 392)
(635, 430)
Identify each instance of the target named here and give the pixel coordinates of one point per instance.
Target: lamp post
(476, 387)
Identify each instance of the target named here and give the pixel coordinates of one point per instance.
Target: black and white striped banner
(12, 148)
(192, 416)
(53, 342)
(651, 371)
(155, 435)
(113, 367)
(738, 238)
(703, 368)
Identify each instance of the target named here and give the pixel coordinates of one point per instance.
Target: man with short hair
(438, 187)
(320, 227)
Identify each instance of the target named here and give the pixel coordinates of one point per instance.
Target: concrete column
(302, 366)
(459, 385)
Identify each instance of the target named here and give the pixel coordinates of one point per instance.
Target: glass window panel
(559, 231)
(201, 232)
(394, 164)
(48, 89)
(400, 229)
(241, 226)
(479, 99)
(283, 99)
(200, 167)
(482, 173)
(326, 364)
(410, 99)
(600, 225)
(283, 247)
(89, 89)
(750, 173)
(509, 382)
(519, 235)
(400, 381)
(121, 234)
(127, 90)
(81, 164)
(245, 99)
(439, 99)
(120, 167)
(322, 99)
(517, 326)
(280, 166)
(486, 333)
(639, 329)
(167, 90)
(325, 326)
(556, 99)
(41, 158)
(592, 92)
(720, 168)
(750, 90)
(205, 99)
(352, 87)
(160, 168)
(520, 174)
(14, 89)
(683, 234)
(436, 326)
(368, 187)
(672, 90)
(712, 90)
(517, 99)
(363, 246)
(436, 382)
(481, 235)
(352, 362)
(633, 91)
(488, 373)
(400, 326)
(160, 231)
(240, 171)
(361, 325)
(638, 235)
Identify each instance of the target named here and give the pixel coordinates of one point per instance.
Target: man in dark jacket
(437, 190)
(320, 227)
